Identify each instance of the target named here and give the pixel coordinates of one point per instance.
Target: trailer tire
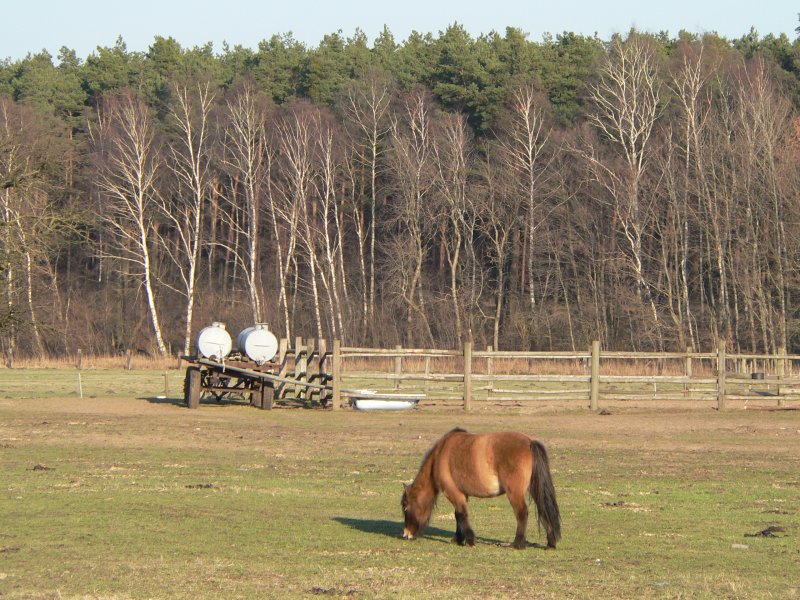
(192, 388)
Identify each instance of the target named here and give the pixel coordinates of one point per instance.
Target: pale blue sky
(30, 26)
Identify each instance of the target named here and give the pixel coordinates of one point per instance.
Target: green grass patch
(119, 497)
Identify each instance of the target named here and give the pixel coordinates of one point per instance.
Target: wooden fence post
(427, 385)
(79, 366)
(322, 371)
(337, 374)
(489, 372)
(594, 383)
(128, 359)
(300, 366)
(687, 370)
(467, 376)
(721, 376)
(310, 351)
(398, 367)
(782, 363)
(283, 370)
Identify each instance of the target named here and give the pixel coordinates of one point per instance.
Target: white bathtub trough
(371, 400)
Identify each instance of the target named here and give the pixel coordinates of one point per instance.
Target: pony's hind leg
(517, 500)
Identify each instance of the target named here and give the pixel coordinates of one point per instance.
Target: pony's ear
(405, 486)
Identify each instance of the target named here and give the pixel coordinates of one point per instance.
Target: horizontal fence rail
(327, 373)
(467, 376)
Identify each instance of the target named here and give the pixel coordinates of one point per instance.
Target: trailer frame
(231, 376)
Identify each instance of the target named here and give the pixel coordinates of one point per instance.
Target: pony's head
(416, 511)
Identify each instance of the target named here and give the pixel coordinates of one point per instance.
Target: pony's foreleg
(517, 500)
(464, 533)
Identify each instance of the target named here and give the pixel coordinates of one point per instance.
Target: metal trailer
(260, 382)
(236, 376)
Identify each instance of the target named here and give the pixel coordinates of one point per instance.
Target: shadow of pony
(394, 529)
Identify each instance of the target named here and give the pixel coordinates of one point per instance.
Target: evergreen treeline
(643, 191)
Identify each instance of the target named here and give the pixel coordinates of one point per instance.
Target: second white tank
(258, 343)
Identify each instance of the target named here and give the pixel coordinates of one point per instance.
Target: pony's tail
(544, 494)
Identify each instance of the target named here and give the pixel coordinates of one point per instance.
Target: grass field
(125, 494)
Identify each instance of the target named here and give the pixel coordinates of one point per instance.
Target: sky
(31, 26)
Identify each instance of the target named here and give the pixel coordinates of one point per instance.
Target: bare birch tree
(497, 213)
(367, 107)
(296, 144)
(328, 219)
(358, 214)
(412, 164)
(124, 138)
(764, 117)
(690, 89)
(452, 155)
(626, 105)
(284, 214)
(18, 180)
(524, 147)
(191, 166)
(247, 157)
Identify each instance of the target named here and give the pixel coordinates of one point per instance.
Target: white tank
(214, 341)
(258, 343)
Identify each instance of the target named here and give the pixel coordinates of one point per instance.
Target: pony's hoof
(519, 545)
(471, 542)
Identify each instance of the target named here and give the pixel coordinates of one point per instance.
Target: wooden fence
(330, 374)
(468, 376)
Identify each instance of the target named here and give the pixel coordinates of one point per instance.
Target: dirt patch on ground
(161, 422)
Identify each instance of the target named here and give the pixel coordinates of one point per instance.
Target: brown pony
(461, 465)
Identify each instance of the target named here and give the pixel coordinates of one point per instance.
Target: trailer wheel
(191, 387)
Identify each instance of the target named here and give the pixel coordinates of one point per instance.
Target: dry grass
(500, 366)
(102, 361)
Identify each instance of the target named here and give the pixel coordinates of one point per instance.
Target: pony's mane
(435, 447)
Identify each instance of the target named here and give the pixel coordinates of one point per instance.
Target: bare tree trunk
(412, 165)
(125, 139)
(498, 210)
(246, 145)
(452, 157)
(328, 217)
(362, 234)
(29, 295)
(283, 221)
(368, 107)
(626, 107)
(296, 148)
(525, 144)
(190, 165)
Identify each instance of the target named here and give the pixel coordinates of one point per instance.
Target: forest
(642, 190)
